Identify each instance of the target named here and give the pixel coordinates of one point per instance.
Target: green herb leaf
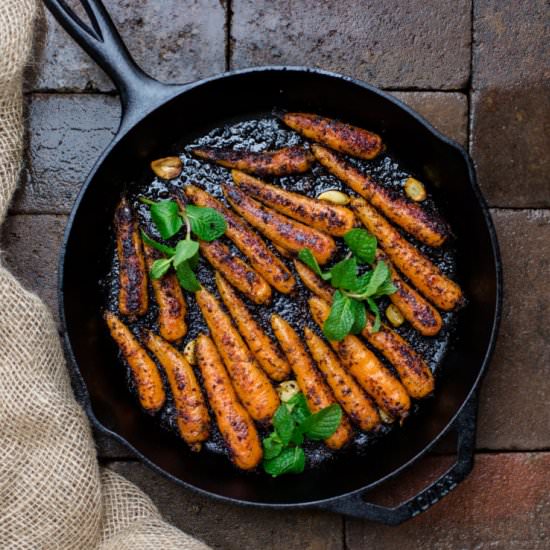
(166, 215)
(344, 274)
(194, 261)
(290, 461)
(299, 410)
(306, 256)
(324, 423)
(360, 317)
(385, 289)
(341, 317)
(160, 267)
(380, 275)
(373, 306)
(272, 446)
(168, 250)
(208, 224)
(362, 244)
(187, 278)
(283, 423)
(185, 250)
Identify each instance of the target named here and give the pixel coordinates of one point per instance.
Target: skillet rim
(78, 382)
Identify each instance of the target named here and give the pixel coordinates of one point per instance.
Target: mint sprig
(353, 289)
(169, 218)
(292, 422)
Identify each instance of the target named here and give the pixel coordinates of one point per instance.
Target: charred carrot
(265, 262)
(282, 162)
(347, 391)
(335, 134)
(330, 218)
(310, 381)
(192, 416)
(170, 300)
(132, 295)
(235, 424)
(144, 371)
(409, 215)
(422, 273)
(283, 231)
(251, 383)
(264, 349)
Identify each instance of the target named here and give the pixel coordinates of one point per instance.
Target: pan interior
(225, 101)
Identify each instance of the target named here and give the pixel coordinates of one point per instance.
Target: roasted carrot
(335, 134)
(310, 381)
(380, 384)
(422, 273)
(347, 391)
(330, 218)
(241, 275)
(409, 215)
(192, 415)
(235, 424)
(265, 262)
(283, 231)
(144, 371)
(264, 349)
(251, 383)
(415, 374)
(419, 312)
(282, 162)
(132, 294)
(170, 300)
(314, 283)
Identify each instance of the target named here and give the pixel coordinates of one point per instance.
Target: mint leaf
(160, 267)
(377, 321)
(298, 407)
(185, 250)
(187, 278)
(194, 261)
(306, 256)
(283, 423)
(344, 274)
(385, 289)
(290, 461)
(379, 276)
(324, 423)
(360, 317)
(168, 250)
(362, 244)
(207, 224)
(361, 283)
(341, 317)
(166, 215)
(272, 446)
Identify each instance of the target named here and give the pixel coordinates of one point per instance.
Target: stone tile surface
(229, 527)
(393, 44)
(448, 111)
(503, 505)
(30, 248)
(66, 135)
(171, 40)
(514, 412)
(511, 101)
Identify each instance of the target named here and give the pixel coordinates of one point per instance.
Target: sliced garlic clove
(167, 168)
(335, 197)
(415, 190)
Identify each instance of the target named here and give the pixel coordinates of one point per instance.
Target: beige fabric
(52, 492)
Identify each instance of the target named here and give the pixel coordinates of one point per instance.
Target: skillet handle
(357, 506)
(139, 93)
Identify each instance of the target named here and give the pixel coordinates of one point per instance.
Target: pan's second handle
(357, 505)
(139, 93)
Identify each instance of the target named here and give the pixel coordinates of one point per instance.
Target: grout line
(471, 78)
(228, 25)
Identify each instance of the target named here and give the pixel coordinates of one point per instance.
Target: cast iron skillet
(154, 116)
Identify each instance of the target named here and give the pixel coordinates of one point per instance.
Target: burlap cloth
(53, 494)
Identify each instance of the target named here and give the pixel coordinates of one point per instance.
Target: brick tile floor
(480, 73)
